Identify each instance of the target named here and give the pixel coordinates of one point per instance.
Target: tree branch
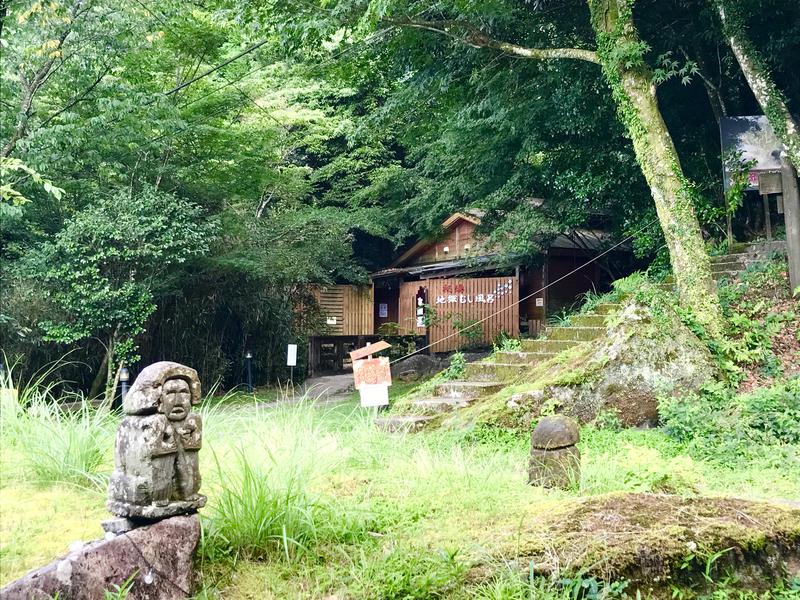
(472, 36)
(34, 85)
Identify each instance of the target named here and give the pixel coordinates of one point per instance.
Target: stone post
(555, 460)
(791, 214)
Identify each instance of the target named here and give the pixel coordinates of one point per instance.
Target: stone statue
(156, 472)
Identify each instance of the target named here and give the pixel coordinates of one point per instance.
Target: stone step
(720, 275)
(727, 266)
(581, 334)
(467, 390)
(436, 406)
(738, 257)
(524, 358)
(402, 423)
(588, 320)
(607, 307)
(555, 346)
(493, 371)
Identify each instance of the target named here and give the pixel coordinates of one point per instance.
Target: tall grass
(47, 439)
(268, 484)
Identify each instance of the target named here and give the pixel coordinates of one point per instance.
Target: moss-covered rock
(656, 541)
(647, 352)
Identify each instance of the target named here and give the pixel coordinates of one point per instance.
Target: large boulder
(417, 366)
(158, 557)
(646, 353)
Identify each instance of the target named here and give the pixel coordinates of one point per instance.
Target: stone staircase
(488, 377)
(730, 266)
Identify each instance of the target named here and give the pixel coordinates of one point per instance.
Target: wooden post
(791, 214)
(767, 219)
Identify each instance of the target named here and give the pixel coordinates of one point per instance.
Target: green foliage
(720, 425)
(740, 180)
(14, 198)
(121, 591)
(669, 68)
(409, 574)
(468, 329)
(105, 265)
(751, 322)
(456, 368)
(504, 343)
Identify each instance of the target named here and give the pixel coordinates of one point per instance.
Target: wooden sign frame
(367, 350)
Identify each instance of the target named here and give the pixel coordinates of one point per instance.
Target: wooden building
(440, 286)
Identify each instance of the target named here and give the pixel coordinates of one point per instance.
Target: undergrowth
(48, 438)
(720, 425)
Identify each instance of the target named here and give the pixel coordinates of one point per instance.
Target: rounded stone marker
(555, 432)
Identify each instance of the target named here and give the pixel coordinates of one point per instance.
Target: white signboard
(540, 302)
(291, 355)
(383, 310)
(376, 394)
(331, 320)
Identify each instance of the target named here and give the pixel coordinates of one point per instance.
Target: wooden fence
(348, 309)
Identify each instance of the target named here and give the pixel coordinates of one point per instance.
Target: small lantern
(124, 377)
(249, 363)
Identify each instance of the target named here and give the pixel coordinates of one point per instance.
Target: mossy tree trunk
(759, 79)
(621, 54)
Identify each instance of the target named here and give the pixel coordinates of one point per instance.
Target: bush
(457, 366)
(718, 424)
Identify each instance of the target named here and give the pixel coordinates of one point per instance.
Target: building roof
(453, 267)
(578, 239)
(472, 216)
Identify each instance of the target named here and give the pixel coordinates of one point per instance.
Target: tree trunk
(760, 81)
(620, 51)
(100, 378)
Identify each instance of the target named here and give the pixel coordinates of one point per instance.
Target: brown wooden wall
(407, 313)
(460, 241)
(351, 305)
(450, 297)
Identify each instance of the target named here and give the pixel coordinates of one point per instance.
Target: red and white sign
(372, 376)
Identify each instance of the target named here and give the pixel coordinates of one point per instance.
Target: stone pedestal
(560, 468)
(158, 557)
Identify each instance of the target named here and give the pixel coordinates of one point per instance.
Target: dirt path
(330, 388)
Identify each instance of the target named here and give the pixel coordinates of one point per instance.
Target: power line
(217, 68)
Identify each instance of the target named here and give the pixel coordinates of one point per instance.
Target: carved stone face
(176, 399)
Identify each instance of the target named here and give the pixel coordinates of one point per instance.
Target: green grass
(311, 501)
(46, 442)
